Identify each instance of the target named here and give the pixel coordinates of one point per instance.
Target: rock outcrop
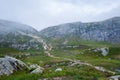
(103, 51)
(36, 69)
(58, 69)
(11, 37)
(107, 30)
(8, 65)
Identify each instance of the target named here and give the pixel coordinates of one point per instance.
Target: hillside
(107, 30)
(11, 37)
(7, 27)
(73, 51)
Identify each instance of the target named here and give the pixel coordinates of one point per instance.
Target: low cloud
(43, 13)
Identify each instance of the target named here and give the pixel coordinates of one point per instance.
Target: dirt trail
(39, 39)
(47, 50)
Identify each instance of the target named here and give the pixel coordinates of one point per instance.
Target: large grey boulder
(103, 51)
(8, 65)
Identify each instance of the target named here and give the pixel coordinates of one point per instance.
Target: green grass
(21, 75)
(77, 72)
(71, 73)
(110, 62)
(78, 41)
(8, 51)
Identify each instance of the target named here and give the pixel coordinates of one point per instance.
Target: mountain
(7, 27)
(11, 36)
(107, 30)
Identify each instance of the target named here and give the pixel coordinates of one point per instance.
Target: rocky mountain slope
(11, 37)
(107, 30)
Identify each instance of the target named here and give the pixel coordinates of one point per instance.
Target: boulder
(33, 66)
(38, 70)
(116, 77)
(103, 51)
(8, 65)
(58, 69)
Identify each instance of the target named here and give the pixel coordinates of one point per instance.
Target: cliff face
(107, 30)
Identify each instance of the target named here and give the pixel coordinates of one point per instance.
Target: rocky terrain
(71, 51)
(107, 30)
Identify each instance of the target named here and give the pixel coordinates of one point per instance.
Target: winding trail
(47, 50)
(39, 39)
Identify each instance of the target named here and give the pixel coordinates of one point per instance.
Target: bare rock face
(107, 30)
(8, 65)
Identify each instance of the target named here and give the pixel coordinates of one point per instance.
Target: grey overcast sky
(43, 13)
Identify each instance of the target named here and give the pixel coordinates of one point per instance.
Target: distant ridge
(107, 30)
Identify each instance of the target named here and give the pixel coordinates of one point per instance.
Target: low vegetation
(76, 72)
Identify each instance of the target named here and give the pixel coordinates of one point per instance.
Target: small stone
(58, 69)
(37, 70)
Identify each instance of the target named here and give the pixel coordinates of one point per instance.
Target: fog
(43, 13)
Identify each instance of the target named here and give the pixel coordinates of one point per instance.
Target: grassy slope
(76, 72)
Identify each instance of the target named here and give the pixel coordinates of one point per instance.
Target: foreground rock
(36, 69)
(58, 69)
(8, 65)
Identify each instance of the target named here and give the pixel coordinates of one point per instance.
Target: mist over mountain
(7, 27)
(107, 30)
(73, 43)
(12, 36)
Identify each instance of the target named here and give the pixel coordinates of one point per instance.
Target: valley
(63, 56)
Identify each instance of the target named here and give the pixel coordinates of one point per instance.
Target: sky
(41, 14)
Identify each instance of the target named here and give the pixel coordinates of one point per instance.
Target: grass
(71, 73)
(21, 75)
(78, 41)
(8, 51)
(77, 72)
(110, 62)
